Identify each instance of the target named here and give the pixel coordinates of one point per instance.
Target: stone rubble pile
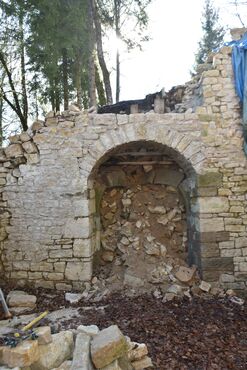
(144, 237)
(86, 348)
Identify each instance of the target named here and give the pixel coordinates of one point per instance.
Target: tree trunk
(65, 79)
(117, 33)
(91, 66)
(57, 95)
(100, 87)
(105, 72)
(78, 73)
(16, 104)
(1, 121)
(23, 69)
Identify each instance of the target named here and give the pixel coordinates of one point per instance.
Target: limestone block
(80, 271)
(139, 351)
(218, 264)
(210, 250)
(213, 204)
(82, 208)
(107, 346)
(132, 281)
(61, 253)
(143, 363)
(29, 147)
(32, 158)
(37, 125)
(204, 286)
(18, 298)
(81, 355)
(168, 177)
(211, 225)
(44, 334)
(90, 330)
(13, 139)
(24, 136)
(77, 228)
(73, 297)
(14, 150)
(55, 353)
(113, 365)
(25, 354)
(66, 365)
(185, 274)
(82, 248)
(210, 179)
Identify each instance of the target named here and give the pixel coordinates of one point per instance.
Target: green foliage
(213, 33)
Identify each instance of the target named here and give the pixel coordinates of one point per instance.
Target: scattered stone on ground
(181, 324)
(20, 302)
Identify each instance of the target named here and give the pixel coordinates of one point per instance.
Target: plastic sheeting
(239, 62)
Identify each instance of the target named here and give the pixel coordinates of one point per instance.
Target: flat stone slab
(18, 298)
(107, 346)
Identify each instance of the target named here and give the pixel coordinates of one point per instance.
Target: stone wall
(49, 225)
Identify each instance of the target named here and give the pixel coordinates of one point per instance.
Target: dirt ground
(201, 334)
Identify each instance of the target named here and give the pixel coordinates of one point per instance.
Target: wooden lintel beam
(140, 163)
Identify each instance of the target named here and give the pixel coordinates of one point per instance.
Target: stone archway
(162, 183)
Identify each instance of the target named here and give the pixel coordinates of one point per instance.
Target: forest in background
(53, 52)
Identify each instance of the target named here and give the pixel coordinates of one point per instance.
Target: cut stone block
(90, 330)
(25, 354)
(80, 271)
(44, 335)
(142, 364)
(18, 298)
(81, 355)
(107, 346)
(52, 355)
(168, 177)
(185, 274)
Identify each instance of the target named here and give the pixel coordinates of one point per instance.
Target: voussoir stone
(107, 346)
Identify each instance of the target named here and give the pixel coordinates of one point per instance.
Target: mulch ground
(201, 334)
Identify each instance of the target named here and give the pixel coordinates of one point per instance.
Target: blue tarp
(239, 61)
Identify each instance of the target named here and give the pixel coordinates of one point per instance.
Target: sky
(175, 30)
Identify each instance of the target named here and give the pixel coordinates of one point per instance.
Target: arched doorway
(145, 228)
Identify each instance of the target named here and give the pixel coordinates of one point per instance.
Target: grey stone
(18, 298)
(80, 271)
(73, 297)
(90, 330)
(168, 177)
(81, 354)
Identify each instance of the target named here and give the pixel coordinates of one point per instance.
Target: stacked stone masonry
(49, 220)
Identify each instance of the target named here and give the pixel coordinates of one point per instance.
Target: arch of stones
(49, 225)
